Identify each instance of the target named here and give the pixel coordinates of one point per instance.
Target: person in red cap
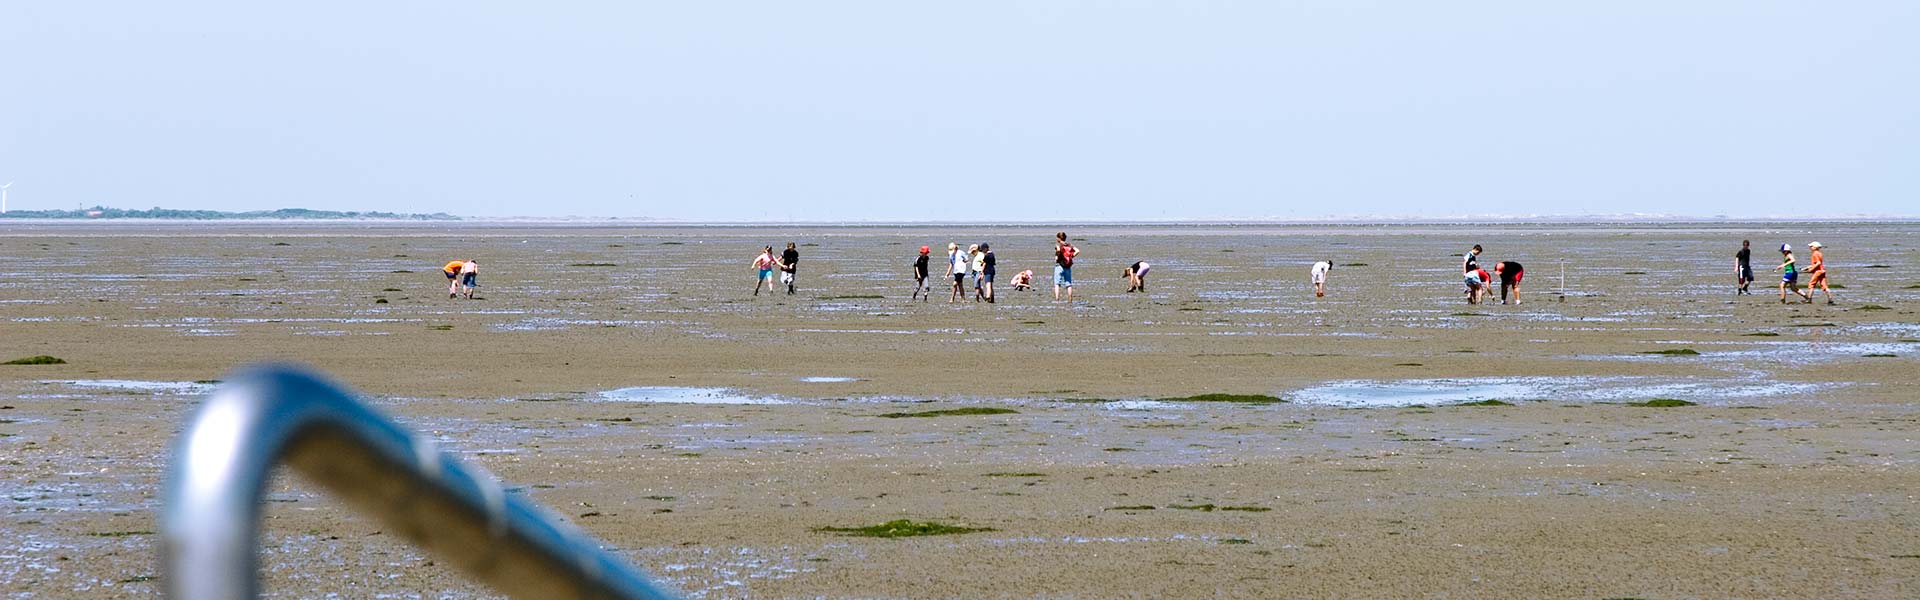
(920, 290)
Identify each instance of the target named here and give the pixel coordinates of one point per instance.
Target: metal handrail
(266, 415)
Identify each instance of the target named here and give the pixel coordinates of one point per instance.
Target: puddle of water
(825, 379)
(684, 395)
(1409, 392)
(171, 387)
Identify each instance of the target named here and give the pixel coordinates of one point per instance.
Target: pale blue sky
(977, 110)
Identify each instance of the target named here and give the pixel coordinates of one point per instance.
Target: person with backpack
(1063, 254)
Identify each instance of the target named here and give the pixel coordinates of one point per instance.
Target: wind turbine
(3, 197)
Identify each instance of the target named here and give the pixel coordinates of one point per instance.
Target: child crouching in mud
(1022, 281)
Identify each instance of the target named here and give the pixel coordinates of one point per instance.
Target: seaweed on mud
(854, 297)
(1761, 334)
(1674, 352)
(1470, 314)
(380, 301)
(392, 290)
(1246, 508)
(1354, 265)
(1663, 403)
(1487, 402)
(952, 412)
(440, 327)
(1880, 355)
(1139, 507)
(902, 528)
(1873, 307)
(1812, 325)
(593, 264)
(139, 579)
(1236, 541)
(672, 244)
(1118, 449)
(37, 360)
(1408, 365)
(1033, 322)
(401, 271)
(1013, 474)
(115, 534)
(1235, 398)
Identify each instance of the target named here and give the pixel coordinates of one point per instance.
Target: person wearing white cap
(1818, 269)
(1789, 275)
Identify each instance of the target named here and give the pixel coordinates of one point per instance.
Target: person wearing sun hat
(920, 276)
(1817, 271)
(1789, 275)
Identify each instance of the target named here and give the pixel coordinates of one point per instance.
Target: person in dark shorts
(1063, 255)
(920, 291)
(1510, 273)
(957, 262)
(1743, 268)
(1789, 275)
(789, 266)
(1136, 276)
(986, 271)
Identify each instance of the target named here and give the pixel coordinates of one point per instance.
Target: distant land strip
(101, 212)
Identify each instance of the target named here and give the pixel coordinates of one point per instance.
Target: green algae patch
(1880, 355)
(440, 327)
(1236, 398)
(1236, 541)
(1139, 507)
(1487, 402)
(1246, 508)
(952, 412)
(901, 528)
(1873, 307)
(1760, 334)
(1663, 403)
(1674, 352)
(1212, 507)
(37, 360)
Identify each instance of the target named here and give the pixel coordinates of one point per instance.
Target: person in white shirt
(957, 269)
(1320, 278)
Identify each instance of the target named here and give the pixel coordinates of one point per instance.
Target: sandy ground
(1795, 476)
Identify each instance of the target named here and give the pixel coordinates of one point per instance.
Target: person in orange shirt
(1818, 268)
(452, 271)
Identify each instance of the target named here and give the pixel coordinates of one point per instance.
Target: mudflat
(1632, 429)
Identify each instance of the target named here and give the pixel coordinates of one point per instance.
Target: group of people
(1789, 271)
(787, 262)
(1479, 281)
(978, 263)
(462, 277)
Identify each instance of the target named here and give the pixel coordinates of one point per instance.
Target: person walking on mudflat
(957, 271)
(763, 270)
(1817, 268)
(1789, 276)
(920, 277)
(1063, 254)
(1743, 268)
(789, 267)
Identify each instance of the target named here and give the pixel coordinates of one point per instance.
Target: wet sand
(1793, 476)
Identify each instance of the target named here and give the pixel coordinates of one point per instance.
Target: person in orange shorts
(1818, 269)
(452, 271)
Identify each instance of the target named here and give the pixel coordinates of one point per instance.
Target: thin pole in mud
(223, 459)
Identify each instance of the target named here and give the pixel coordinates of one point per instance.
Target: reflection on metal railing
(264, 415)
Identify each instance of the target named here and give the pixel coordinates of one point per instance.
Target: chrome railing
(209, 523)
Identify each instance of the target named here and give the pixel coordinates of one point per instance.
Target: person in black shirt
(1510, 273)
(986, 271)
(1743, 268)
(789, 265)
(920, 276)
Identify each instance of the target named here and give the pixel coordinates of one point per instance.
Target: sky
(966, 111)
